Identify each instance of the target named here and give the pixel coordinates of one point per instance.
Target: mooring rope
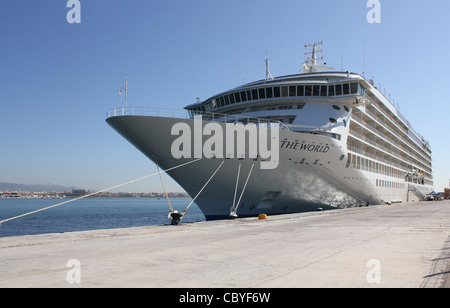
(236, 188)
(100, 191)
(185, 210)
(164, 188)
(235, 206)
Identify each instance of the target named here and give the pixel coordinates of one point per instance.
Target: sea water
(89, 214)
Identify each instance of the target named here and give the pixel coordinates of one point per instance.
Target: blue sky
(58, 80)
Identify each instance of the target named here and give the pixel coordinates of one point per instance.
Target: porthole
(333, 120)
(336, 107)
(346, 108)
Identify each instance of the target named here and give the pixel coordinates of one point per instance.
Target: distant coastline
(23, 191)
(75, 194)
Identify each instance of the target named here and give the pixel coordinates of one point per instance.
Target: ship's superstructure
(341, 143)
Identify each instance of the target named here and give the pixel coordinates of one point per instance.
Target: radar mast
(311, 64)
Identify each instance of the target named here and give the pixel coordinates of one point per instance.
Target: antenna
(364, 59)
(268, 74)
(311, 64)
(314, 52)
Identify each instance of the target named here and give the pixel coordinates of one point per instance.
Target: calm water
(89, 214)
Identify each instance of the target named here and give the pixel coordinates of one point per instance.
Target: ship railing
(377, 158)
(417, 155)
(390, 162)
(384, 149)
(416, 144)
(148, 111)
(389, 117)
(184, 114)
(234, 118)
(374, 143)
(418, 139)
(209, 116)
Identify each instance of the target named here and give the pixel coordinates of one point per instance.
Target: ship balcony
(415, 153)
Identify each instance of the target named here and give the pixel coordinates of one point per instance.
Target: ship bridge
(287, 93)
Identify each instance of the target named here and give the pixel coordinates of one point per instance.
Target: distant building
(78, 192)
(447, 193)
(13, 194)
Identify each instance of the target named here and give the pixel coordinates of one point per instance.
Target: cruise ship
(335, 140)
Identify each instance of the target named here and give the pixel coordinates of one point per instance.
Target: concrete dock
(399, 246)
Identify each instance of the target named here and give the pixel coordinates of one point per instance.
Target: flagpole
(126, 102)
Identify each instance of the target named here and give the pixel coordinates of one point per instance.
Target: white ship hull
(341, 143)
(307, 177)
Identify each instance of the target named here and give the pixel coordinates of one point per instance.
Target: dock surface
(392, 246)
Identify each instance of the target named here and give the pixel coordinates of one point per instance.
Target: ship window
(349, 160)
(323, 91)
(227, 100)
(222, 101)
(333, 120)
(232, 101)
(336, 107)
(300, 90)
(269, 92)
(338, 89)
(354, 87)
(316, 90)
(346, 108)
(262, 93)
(255, 94)
(284, 91)
(300, 106)
(308, 90)
(276, 92)
(331, 90)
(336, 136)
(237, 97)
(243, 96)
(292, 91)
(346, 88)
(249, 95)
